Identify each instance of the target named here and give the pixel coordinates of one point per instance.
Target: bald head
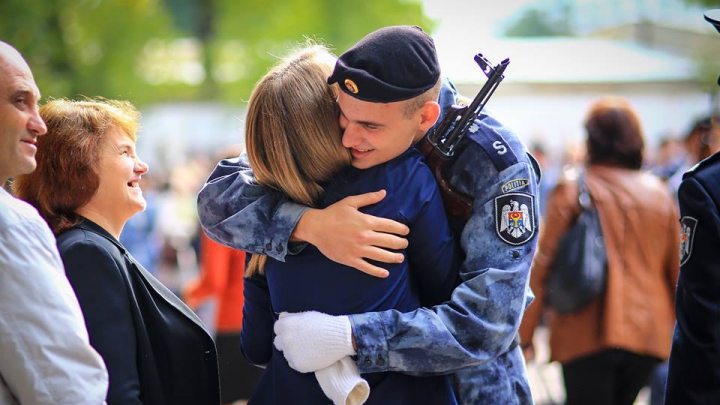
(11, 59)
(20, 123)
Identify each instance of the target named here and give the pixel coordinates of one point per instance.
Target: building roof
(566, 60)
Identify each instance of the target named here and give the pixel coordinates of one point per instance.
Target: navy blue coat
(156, 350)
(310, 281)
(694, 374)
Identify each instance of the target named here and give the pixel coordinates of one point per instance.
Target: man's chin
(360, 164)
(27, 167)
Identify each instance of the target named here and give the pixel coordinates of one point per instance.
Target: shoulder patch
(687, 235)
(515, 218)
(514, 184)
(497, 148)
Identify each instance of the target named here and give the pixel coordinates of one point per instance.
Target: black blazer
(156, 350)
(695, 356)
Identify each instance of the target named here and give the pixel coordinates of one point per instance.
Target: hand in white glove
(313, 340)
(341, 382)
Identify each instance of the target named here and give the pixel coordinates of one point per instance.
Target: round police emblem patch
(515, 217)
(687, 235)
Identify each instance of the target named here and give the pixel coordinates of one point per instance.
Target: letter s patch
(499, 147)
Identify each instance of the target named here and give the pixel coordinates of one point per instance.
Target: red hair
(67, 175)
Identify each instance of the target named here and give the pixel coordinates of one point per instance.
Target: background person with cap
(473, 335)
(694, 370)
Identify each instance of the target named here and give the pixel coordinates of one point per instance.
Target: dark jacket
(156, 349)
(694, 373)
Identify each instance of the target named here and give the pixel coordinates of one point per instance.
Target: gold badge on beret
(351, 86)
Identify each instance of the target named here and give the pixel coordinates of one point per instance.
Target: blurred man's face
(20, 123)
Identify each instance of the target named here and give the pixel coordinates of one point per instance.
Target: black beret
(713, 17)
(390, 64)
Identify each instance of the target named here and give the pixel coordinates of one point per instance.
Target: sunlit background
(190, 65)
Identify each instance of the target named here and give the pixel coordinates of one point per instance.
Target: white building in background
(643, 50)
(551, 82)
(548, 88)
(173, 132)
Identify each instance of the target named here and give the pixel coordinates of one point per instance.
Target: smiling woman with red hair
(87, 186)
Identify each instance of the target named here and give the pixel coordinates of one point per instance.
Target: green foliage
(89, 48)
(705, 3)
(708, 69)
(149, 51)
(536, 23)
(251, 35)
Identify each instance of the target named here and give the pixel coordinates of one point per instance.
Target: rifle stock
(440, 145)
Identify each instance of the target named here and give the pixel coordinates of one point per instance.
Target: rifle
(439, 146)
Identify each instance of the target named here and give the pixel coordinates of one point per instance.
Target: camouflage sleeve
(238, 212)
(483, 315)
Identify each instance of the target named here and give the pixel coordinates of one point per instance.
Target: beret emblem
(351, 86)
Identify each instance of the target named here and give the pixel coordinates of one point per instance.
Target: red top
(221, 277)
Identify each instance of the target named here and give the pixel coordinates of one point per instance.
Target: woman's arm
(256, 337)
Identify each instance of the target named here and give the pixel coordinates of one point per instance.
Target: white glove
(313, 340)
(341, 382)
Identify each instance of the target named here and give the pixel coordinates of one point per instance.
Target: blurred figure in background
(701, 141)
(140, 235)
(550, 173)
(221, 280)
(670, 157)
(609, 348)
(178, 225)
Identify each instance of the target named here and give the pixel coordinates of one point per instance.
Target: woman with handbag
(609, 346)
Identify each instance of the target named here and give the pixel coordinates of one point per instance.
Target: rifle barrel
(494, 77)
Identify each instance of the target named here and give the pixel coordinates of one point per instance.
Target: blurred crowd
(166, 236)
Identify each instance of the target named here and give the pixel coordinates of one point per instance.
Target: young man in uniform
(694, 370)
(474, 334)
(45, 355)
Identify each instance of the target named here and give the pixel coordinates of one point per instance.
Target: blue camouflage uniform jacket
(473, 335)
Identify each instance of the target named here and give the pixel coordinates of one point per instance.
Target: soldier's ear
(429, 114)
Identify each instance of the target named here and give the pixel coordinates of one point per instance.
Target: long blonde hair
(292, 133)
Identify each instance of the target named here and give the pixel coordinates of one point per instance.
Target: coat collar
(91, 226)
(159, 287)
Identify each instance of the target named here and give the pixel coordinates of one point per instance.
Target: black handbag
(578, 273)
